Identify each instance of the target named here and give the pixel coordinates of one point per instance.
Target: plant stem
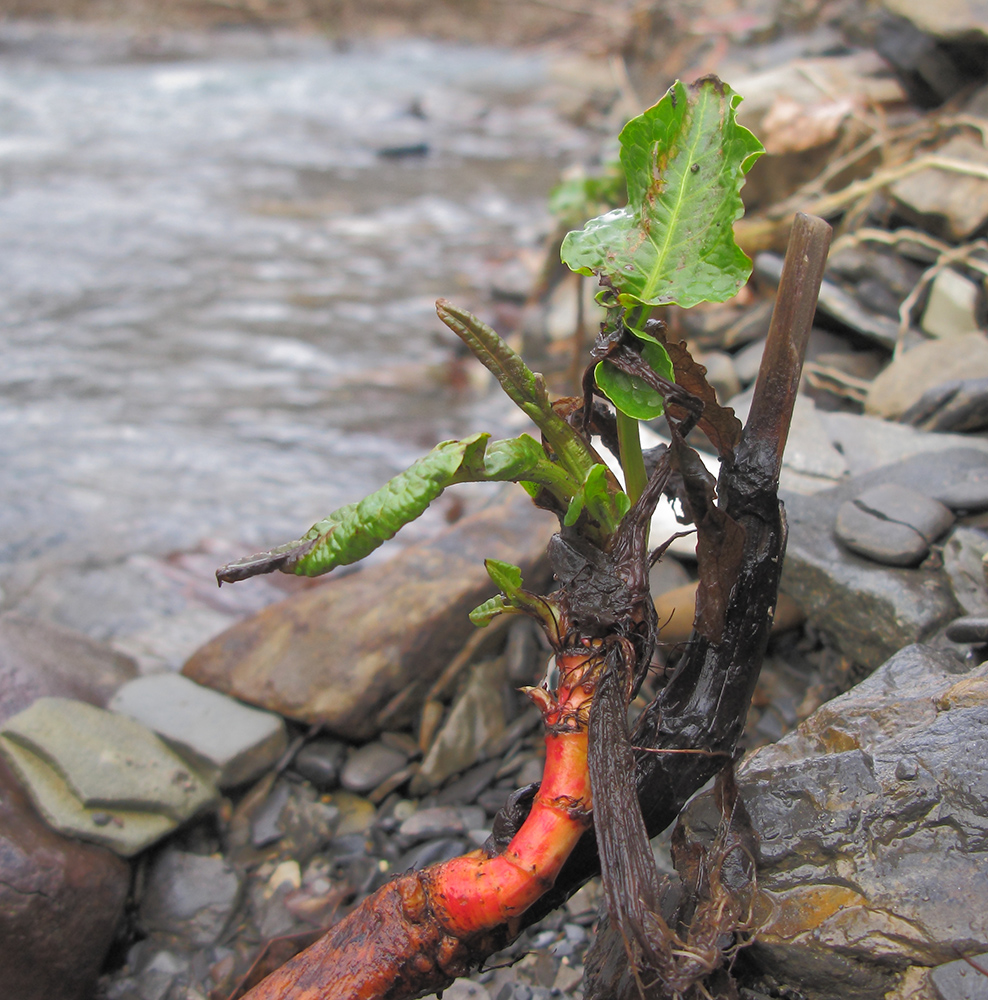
(630, 446)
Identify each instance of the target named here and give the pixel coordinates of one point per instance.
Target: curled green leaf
(630, 394)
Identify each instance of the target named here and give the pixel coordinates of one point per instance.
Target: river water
(217, 293)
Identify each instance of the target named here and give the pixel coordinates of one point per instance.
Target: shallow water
(217, 296)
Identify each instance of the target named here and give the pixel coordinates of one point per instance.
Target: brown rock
(39, 659)
(60, 902)
(338, 654)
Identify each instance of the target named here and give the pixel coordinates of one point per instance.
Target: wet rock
(475, 721)
(101, 776)
(960, 406)
(869, 611)
(467, 787)
(356, 813)
(441, 821)
(964, 564)
(924, 367)
(432, 852)
(265, 825)
(892, 524)
(370, 765)
(953, 306)
(321, 762)
(952, 205)
(60, 903)
(867, 866)
(229, 742)
(190, 896)
(39, 659)
(341, 652)
(970, 628)
(962, 980)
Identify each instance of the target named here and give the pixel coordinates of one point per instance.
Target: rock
(441, 821)
(953, 306)
(321, 762)
(60, 903)
(190, 896)
(952, 205)
(466, 788)
(748, 360)
(356, 814)
(970, 628)
(892, 524)
(960, 405)
(811, 462)
(721, 374)
(265, 824)
(101, 776)
(867, 866)
(949, 20)
(39, 659)
(432, 852)
(924, 367)
(475, 721)
(223, 739)
(963, 561)
(340, 653)
(370, 765)
(962, 980)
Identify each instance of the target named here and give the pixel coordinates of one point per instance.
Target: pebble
(468, 786)
(964, 554)
(321, 762)
(265, 825)
(441, 821)
(430, 853)
(370, 765)
(971, 628)
(952, 307)
(892, 524)
(960, 980)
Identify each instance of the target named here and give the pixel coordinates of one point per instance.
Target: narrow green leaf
(630, 394)
(515, 598)
(505, 575)
(685, 161)
(485, 613)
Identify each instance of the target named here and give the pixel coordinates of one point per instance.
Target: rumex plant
(600, 798)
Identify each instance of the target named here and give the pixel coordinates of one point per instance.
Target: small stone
(441, 821)
(430, 853)
(721, 374)
(370, 765)
(467, 787)
(223, 738)
(928, 517)
(356, 814)
(907, 770)
(190, 895)
(321, 762)
(960, 980)
(952, 307)
(748, 360)
(963, 555)
(971, 628)
(878, 539)
(265, 825)
(959, 406)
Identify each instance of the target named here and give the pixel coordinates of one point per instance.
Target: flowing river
(218, 268)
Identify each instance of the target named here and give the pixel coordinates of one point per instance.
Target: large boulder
(60, 902)
(371, 641)
(873, 825)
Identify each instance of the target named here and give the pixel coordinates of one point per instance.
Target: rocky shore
(175, 835)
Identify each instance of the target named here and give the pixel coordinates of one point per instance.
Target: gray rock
(953, 305)
(342, 652)
(321, 762)
(265, 825)
(963, 561)
(370, 765)
(868, 866)
(222, 738)
(467, 787)
(971, 628)
(475, 722)
(869, 611)
(39, 659)
(892, 524)
(60, 903)
(432, 852)
(101, 776)
(960, 405)
(925, 367)
(190, 896)
(950, 20)
(748, 360)
(962, 980)
(441, 821)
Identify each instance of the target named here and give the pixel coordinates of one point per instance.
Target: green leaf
(353, 532)
(685, 161)
(630, 394)
(485, 613)
(515, 598)
(596, 497)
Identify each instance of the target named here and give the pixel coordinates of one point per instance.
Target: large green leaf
(354, 531)
(685, 161)
(628, 392)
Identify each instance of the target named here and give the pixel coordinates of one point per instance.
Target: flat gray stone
(370, 765)
(970, 628)
(960, 980)
(441, 821)
(907, 506)
(109, 761)
(321, 762)
(223, 738)
(190, 895)
(877, 538)
(952, 306)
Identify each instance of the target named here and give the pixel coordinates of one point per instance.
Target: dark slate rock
(265, 824)
(971, 628)
(957, 406)
(877, 538)
(60, 902)
(466, 788)
(431, 853)
(907, 506)
(321, 762)
(370, 765)
(960, 980)
(441, 821)
(190, 895)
